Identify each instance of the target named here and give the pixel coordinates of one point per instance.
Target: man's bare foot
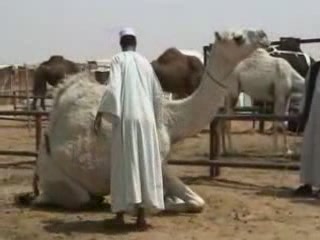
(142, 225)
(119, 219)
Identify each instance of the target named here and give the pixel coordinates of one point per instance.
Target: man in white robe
(132, 102)
(310, 154)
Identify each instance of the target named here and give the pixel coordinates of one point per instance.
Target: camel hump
(195, 63)
(56, 58)
(169, 55)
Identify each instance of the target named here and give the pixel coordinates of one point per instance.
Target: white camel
(267, 79)
(74, 167)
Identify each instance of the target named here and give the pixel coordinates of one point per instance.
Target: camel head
(262, 38)
(234, 46)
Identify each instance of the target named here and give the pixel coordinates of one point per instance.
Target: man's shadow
(108, 226)
(88, 227)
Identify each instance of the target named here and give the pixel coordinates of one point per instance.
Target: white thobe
(132, 102)
(310, 155)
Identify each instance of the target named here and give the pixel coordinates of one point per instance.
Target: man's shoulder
(117, 56)
(140, 58)
(125, 57)
(128, 54)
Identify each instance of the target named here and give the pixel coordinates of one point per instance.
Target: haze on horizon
(88, 29)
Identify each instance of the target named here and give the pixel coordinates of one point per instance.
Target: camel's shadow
(23, 200)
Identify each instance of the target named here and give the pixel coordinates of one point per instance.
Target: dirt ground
(240, 204)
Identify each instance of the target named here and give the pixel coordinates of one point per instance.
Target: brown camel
(52, 72)
(178, 73)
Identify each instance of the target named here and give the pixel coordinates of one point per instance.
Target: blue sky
(33, 30)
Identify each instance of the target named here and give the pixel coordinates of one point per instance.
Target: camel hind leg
(56, 188)
(62, 193)
(226, 140)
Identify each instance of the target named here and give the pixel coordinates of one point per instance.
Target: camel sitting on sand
(73, 165)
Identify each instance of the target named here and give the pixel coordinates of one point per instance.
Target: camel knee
(177, 205)
(195, 205)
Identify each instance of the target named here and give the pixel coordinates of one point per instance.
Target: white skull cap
(127, 32)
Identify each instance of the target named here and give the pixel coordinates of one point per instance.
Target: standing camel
(52, 72)
(289, 49)
(266, 79)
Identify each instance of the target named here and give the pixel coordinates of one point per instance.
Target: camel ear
(218, 36)
(261, 33)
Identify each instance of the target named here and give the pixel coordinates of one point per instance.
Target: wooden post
(263, 109)
(38, 120)
(214, 147)
(14, 100)
(12, 76)
(27, 91)
(214, 135)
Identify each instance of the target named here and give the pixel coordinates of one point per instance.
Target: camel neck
(191, 115)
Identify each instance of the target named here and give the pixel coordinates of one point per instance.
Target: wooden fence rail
(38, 128)
(237, 164)
(22, 96)
(213, 163)
(215, 138)
(302, 41)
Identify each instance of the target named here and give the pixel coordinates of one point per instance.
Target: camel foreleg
(280, 108)
(179, 197)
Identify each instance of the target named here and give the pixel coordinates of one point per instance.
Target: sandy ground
(240, 204)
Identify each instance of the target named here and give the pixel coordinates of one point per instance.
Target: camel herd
(74, 173)
(263, 77)
(178, 73)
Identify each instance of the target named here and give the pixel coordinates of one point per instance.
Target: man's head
(128, 39)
